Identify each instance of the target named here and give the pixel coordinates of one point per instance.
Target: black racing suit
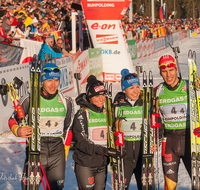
(133, 163)
(173, 106)
(52, 148)
(90, 161)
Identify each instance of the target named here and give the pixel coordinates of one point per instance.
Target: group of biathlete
(92, 154)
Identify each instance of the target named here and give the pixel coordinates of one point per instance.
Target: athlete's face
(98, 100)
(170, 75)
(133, 92)
(51, 86)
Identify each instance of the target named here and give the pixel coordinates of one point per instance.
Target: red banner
(105, 9)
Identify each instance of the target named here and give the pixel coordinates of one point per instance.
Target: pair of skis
(117, 165)
(194, 102)
(149, 136)
(35, 169)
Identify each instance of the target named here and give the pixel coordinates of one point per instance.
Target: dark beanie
(94, 87)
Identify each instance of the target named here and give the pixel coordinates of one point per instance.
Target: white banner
(30, 48)
(109, 35)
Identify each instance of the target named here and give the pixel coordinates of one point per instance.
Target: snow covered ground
(12, 151)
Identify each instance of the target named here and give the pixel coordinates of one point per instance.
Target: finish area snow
(12, 149)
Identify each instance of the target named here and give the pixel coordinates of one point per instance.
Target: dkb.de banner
(104, 22)
(9, 54)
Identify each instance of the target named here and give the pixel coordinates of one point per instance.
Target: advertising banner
(175, 38)
(81, 65)
(66, 80)
(182, 35)
(103, 18)
(9, 54)
(168, 39)
(7, 75)
(95, 62)
(132, 45)
(30, 48)
(159, 44)
(145, 47)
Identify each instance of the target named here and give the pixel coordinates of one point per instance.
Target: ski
(193, 123)
(111, 143)
(148, 134)
(197, 114)
(34, 169)
(117, 165)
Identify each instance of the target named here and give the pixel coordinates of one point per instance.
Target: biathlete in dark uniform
(90, 135)
(56, 118)
(173, 105)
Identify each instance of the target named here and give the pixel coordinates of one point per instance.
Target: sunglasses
(127, 77)
(163, 66)
(50, 69)
(59, 42)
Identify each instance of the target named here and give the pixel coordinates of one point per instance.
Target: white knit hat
(34, 20)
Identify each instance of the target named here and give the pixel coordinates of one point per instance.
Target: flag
(173, 13)
(57, 34)
(142, 9)
(162, 12)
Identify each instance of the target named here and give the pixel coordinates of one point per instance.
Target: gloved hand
(114, 153)
(197, 131)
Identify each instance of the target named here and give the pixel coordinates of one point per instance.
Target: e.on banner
(104, 22)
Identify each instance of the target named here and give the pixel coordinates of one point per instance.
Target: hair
(16, 13)
(48, 38)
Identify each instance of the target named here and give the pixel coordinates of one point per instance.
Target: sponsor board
(6, 76)
(107, 38)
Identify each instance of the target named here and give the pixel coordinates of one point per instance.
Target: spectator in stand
(45, 26)
(58, 47)
(19, 31)
(11, 10)
(46, 48)
(3, 37)
(7, 22)
(33, 30)
(29, 19)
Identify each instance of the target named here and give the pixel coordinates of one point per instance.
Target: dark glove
(114, 153)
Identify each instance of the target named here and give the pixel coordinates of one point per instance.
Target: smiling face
(133, 92)
(98, 100)
(51, 86)
(170, 75)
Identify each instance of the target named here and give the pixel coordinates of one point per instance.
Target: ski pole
(122, 160)
(77, 77)
(175, 50)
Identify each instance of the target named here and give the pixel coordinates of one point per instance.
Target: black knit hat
(94, 87)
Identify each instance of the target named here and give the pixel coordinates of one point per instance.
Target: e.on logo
(96, 26)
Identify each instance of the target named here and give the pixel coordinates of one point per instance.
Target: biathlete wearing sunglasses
(173, 105)
(56, 118)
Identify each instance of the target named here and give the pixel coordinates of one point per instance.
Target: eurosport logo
(110, 51)
(107, 38)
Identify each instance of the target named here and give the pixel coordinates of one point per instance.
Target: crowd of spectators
(37, 20)
(142, 26)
